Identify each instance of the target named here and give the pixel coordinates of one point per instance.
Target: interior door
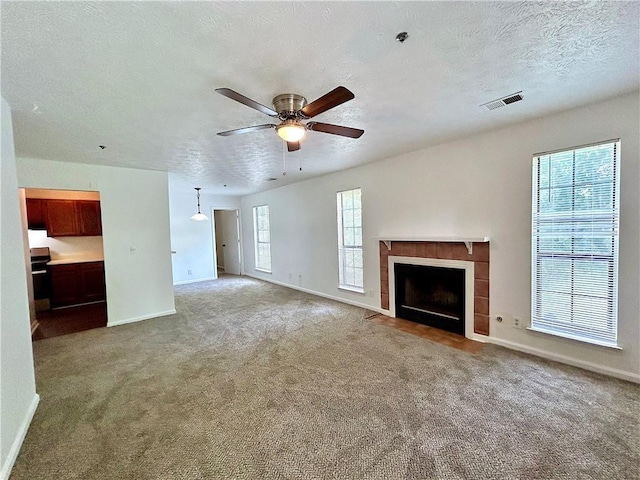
(230, 241)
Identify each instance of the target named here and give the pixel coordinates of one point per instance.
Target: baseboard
(613, 372)
(139, 319)
(319, 294)
(17, 443)
(184, 282)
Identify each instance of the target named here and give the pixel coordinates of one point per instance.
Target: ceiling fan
(291, 109)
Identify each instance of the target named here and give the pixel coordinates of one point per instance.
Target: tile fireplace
(458, 302)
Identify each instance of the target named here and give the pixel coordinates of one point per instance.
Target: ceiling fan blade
(233, 95)
(335, 97)
(239, 131)
(335, 129)
(293, 146)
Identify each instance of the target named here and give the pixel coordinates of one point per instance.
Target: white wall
(193, 241)
(18, 398)
(475, 187)
(135, 228)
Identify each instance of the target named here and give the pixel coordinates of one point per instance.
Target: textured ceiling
(140, 77)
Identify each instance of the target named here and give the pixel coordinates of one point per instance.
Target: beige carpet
(255, 381)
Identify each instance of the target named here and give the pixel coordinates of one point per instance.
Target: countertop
(75, 259)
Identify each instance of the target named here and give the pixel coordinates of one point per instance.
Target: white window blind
(351, 270)
(575, 243)
(262, 238)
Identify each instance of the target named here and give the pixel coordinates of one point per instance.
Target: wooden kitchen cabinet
(65, 285)
(36, 214)
(61, 218)
(77, 283)
(65, 218)
(88, 217)
(92, 281)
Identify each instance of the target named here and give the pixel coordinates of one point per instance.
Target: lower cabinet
(76, 283)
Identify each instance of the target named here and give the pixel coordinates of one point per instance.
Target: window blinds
(575, 243)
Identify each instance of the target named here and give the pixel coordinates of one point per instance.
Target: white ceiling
(140, 77)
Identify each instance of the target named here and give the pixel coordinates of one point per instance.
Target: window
(262, 238)
(350, 240)
(575, 243)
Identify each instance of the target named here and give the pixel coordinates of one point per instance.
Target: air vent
(501, 102)
(271, 179)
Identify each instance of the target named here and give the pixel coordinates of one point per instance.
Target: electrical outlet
(290, 276)
(189, 272)
(517, 322)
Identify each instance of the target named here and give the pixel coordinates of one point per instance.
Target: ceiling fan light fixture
(290, 131)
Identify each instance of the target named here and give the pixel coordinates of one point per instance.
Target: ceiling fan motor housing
(288, 105)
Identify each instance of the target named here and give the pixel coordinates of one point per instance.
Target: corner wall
(135, 224)
(18, 398)
(474, 187)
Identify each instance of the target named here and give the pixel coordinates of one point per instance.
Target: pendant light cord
(198, 197)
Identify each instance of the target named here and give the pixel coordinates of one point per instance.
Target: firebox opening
(433, 296)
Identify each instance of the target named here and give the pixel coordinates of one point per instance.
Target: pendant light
(199, 217)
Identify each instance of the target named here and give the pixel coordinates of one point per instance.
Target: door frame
(213, 237)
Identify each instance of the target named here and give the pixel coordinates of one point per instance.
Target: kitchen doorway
(227, 248)
(66, 286)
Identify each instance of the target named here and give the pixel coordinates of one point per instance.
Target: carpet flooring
(250, 380)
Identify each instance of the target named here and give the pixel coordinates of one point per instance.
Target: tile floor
(430, 333)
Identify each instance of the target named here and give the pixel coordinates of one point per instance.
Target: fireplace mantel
(468, 241)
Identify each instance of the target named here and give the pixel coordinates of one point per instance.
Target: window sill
(262, 270)
(575, 338)
(351, 289)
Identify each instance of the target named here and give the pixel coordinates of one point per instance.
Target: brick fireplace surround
(445, 251)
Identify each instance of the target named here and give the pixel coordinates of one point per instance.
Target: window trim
(256, 241)
(349, 288)
(575, 338)
(613, 215)
(341, 247)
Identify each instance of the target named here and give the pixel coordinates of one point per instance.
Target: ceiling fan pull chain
(284, 159)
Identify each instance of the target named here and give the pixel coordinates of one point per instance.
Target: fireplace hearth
(433, 296)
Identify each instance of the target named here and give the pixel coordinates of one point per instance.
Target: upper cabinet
(61, 218)
(65, 218)
(88, 217)
(36, 214)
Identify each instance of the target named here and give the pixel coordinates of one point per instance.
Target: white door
(230, 241)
